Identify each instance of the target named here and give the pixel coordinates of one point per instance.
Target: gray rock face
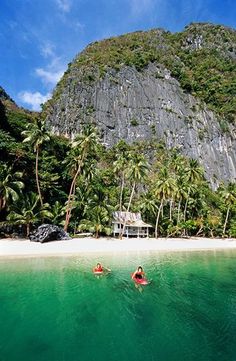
(137, 106)
(48, 232)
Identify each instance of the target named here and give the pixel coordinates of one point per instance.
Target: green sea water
(56, 309)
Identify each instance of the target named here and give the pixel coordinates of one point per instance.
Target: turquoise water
(56, 309)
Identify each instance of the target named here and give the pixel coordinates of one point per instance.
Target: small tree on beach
(29, 212)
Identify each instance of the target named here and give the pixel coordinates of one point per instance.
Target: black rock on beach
(47, 233)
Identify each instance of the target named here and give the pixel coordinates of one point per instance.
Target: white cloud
(64, 5)
(47, 50)
(51, 73)
(33, 99)
(49, 77)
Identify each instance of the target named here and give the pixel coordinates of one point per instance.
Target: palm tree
(164, 189)
(10, 185)
(193, 176)
(120, 167)
(147, 205)
(49, 178)
(97, 209)
(228, 195)
(58, 212)
(28, 212)
(96, 220)
(36, 134)
(180, 194)
(177, 163)
(176, 166)
(137, 171)
(83, 147)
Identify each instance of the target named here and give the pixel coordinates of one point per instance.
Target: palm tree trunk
(97, 233)
(121, 190)
(185, 209)
(131, 197)
(199, 231)
(68, 208)
(72, 199)
(226, 220)
(186, 205)
(2, 203)
(171, 202)
(37, 176)
(158, 217)
(27, 229)
(129, 204)
(178, 216)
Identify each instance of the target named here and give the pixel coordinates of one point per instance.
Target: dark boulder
(47, 233)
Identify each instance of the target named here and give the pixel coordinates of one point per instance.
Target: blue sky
(38, 38)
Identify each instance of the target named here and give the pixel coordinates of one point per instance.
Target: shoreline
(12, 248)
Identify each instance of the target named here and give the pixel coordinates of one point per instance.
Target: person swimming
(138, 274)
(100, 269)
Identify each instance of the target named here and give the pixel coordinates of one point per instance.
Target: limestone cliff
(154, 99)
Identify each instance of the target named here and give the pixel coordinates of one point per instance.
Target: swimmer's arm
(107, 269)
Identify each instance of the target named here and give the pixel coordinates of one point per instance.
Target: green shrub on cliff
(200, 58)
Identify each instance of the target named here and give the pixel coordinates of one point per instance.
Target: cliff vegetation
(78, 184)
(202, 58)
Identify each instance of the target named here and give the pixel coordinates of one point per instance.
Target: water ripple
(63, 312)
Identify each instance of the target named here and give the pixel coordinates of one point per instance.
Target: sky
(38, 38)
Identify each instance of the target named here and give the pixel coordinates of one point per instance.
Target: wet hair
(98, 264)
(140, 267)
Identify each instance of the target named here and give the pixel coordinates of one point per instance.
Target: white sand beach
(23, 247)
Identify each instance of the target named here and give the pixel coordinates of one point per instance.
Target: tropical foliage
(79, 184)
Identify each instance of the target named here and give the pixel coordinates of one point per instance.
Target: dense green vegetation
(202, 58)
(79, 184)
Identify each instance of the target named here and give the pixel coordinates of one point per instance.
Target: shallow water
(56, 309)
